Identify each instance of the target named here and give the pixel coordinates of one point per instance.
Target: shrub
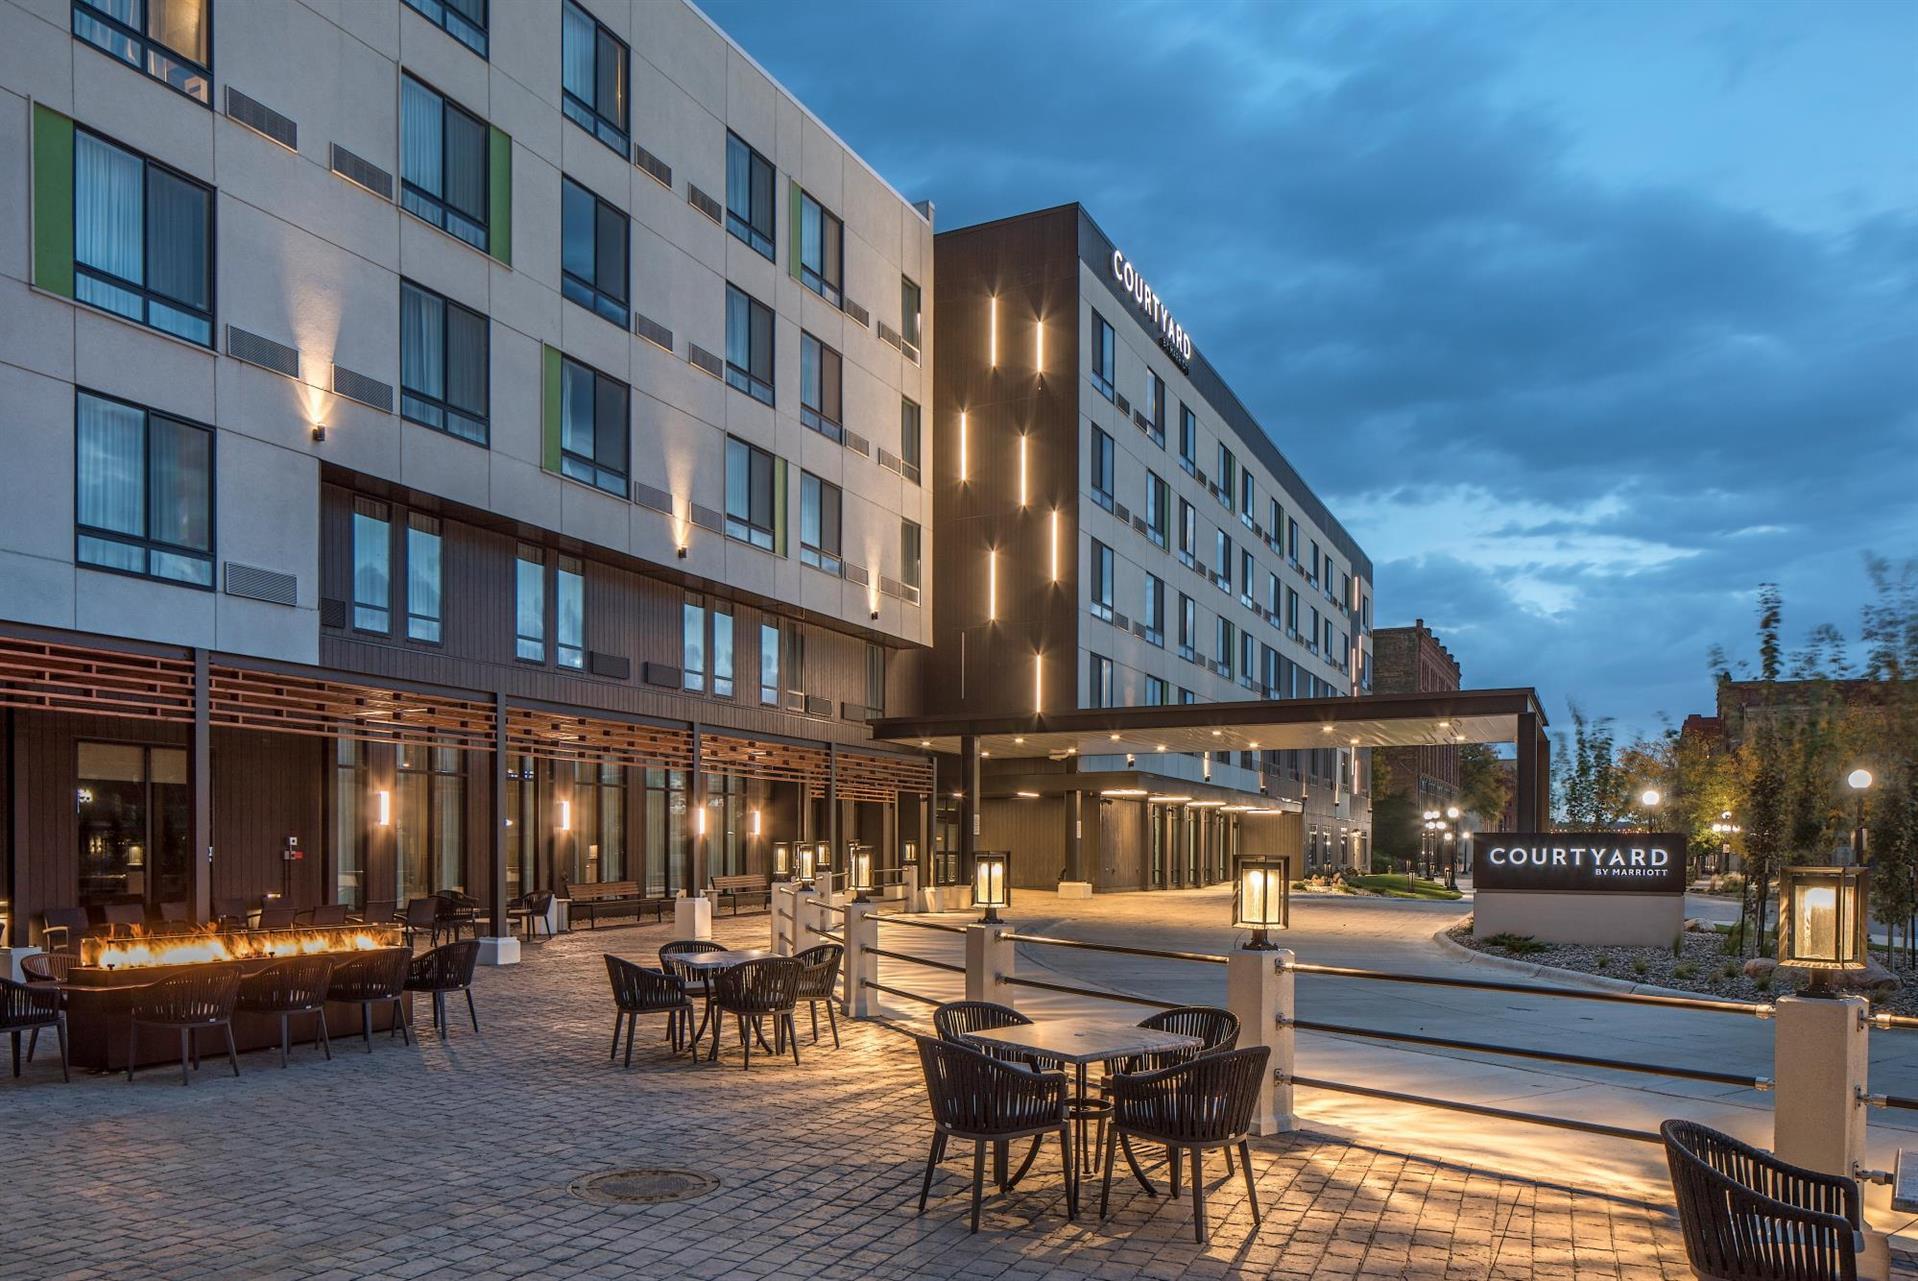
(1684, 970)
(1515, 944)
(1640, 966)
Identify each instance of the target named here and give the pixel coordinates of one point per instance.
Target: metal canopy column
(1531, 754)
(496, 843)
(200, 772)
(968, 802)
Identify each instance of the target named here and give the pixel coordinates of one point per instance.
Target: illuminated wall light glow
(1039, 346)
(383, 806)
(965, 472)
(1038, 682)
(1053, 535)
(1024, 473)
(992, 331)
(992, 586)
(565, 816)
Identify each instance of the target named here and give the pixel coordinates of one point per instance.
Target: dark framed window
(445, 364)
(820, 505)
(444, 175)
(1246, 498)
(749, 345)
(594, 434)
(464, 20)
(1222, 559)
(1100, 469)
(1158, 508)
(1153, 614)
(911, 547)
(909, 305)
(1099, 586)
(592, 78)
(1188, 440)
(722, 652)
(142, 239)
(569, 612)
(1188, 534)
(910, 435)
(1104, 357)
(1098, 681)
(529, 604)
(1155, 407)
(428, 820)
(1292, 539)
(593, 253)
(749, 195)
(143, 491)
(423, 547)
(751, 501)
(692, 629)
(1222, 647)
(769, 664)
(1188, 628)
(822, 250)
(1248, 571)
(822, 377)
(1292, 611)
(372, 566)
(170, 40)
(1155, 691)
(876, 679)
(1226, 476)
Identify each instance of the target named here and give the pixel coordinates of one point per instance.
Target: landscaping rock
(1760, 967)
(1874, 978)
(1696, 925)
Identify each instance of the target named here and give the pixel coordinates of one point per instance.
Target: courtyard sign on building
(1621, 888)
(1172, 334)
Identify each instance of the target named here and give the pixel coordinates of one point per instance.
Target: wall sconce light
(565, 816)
(992, 331)
(989, 887)
(965, 472)
(1024, 472)
(699, 821)
(1822, 922)
(383, 808)
(754, 825)
(1038, 683)
(679, 552)
(1038, 345)
(782, 859)
(1262, 899)
(1053, 536)
(992, 586)
(861, 873)
(319, 433)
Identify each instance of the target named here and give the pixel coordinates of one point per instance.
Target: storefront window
(134, 822)
(428, 821)
(599, 823)
(666, 829)
(522, 826)
(349, 821)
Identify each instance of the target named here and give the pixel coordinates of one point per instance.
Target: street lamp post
(1859, 781)
(1428, 844)
(1452, 816)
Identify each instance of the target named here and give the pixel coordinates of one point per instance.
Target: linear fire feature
(150, 950)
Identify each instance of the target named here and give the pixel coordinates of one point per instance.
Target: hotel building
(1117, 529)
(448, 445)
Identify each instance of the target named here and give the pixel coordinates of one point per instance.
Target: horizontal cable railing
(900, 992)
(1478, 1109)
(1206, 958)
(831, 937)
(922, 925)
(948, 966)
(1122, 997)
(1895, 1022)
(1750, 1009)
(1519, 1052)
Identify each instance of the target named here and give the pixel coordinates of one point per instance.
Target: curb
(1569, 978)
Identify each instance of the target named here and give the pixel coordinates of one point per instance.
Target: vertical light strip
(965, 472)
(1038, 345)
(1038, 682)
(1024, 489)
(1054, 535)
(992, 586)
(992, 330)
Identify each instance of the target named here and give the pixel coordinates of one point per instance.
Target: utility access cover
(642, 1187)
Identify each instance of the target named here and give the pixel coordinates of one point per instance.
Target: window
(769, 664)
(1188, 440)
(170, 40)
(909, 552)
(1154, 612)
(1099, 681)
(751, 500)
(876, 679)
(429, 810)
(821, 387)
(1331, 651)
(1222, 646)
(1245, 496)
(1222, 560)
(464, 20)
(1158, 504)
(143, 492)
(1312, 565)
(1100, 586)
(749, 195)
(1248, 658)
(134, 823)
(1269, 670)
(444, 178)
(1292, 611)
(422, 577)
(692, 664)
(1155, 406)
(444, 364)
(795, 656)
(1227, 476)
(1312, 633)
(819, 503)
(822, 241)
(1188, 628)
(1155, 691)
(592, 78)
(569, 602)
(1275, 524)
(592, 256)
(529, 612)
(593, 427)
(909, 440)
(372, 567)
(1188, 534)
(909, 303)
(349, 828)
(749, 345)
(1101, 462)
(1272, 600)
(722, 652)
(1186, 696)
(142, 240)
(1248, 571)
(1103, 358)
(598, 837)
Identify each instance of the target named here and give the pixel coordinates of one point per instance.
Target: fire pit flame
(197, 949)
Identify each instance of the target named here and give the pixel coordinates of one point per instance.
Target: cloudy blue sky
(1585, 317)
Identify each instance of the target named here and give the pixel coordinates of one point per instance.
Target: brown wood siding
(1035, 832)
(1121, 845)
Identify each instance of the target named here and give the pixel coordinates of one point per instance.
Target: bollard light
(822, 853)
(861, 872)
(1822, 922)
(909, 852)
(783, 859)
(807, 854)
(989, 887)
(1262, 898)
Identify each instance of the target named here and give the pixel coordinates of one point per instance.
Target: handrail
(830, 937)
(1086, 991)
(897, 991)
(1895, 1022)
(1478, 1109)
(1758, 1010)
(1207, 958)
(896, 919)
(1519, 1052)
(916, 960)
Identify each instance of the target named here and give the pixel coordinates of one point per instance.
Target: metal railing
(1125, 998)
(900, 992)
(1751, 1009)
(948, 966)
(896, 919)
(1476, 1109)
(1205, 958)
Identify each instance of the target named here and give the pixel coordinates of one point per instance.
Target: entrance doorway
(135, 824)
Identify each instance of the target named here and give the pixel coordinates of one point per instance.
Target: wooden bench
(737, 887)
(590, 898)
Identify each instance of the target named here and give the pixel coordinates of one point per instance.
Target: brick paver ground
(452, 1159)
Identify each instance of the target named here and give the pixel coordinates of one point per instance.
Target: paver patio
(452, 1159)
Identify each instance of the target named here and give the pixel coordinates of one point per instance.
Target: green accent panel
(779, 506)
(52, 201)
(499, 203)
(549, 415)
(795, 227)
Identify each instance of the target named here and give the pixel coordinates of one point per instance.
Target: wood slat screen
(245, 699)
(880, 778)
(772, 762)
(572, 738)
(41, 676)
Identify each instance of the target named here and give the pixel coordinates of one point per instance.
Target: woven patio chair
(28, 1007)
(979, 1100)
(367, 979)
(294, 986)
(818, 972)
(753, 992)
(447, 968)
(189, 1003)
(638, 990)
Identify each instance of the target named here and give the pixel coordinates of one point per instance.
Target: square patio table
(710, 963)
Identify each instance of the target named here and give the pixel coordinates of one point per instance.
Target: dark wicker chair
(189, 1003)
(752, 992)
(69, 923)
(176, 913)
(324, 914)
(532, 911)
(422, 916)
(28, 1007)
(698, 982)
(458, 911)
(818, 972)
(638, 990)
(43, 968)
(367, 979)
(447, 968)
(980, 1100)
(286, 988)
(379, 911)
(956, 1018)
(123, 919)
(1747, 1216)
(230, 913)
(1191, 1107)
(1217, 1028)
(278, 918)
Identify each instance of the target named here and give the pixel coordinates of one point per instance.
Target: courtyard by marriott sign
(1172, 334)
(1603, 862)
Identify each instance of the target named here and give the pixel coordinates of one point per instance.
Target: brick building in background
(1411, 660)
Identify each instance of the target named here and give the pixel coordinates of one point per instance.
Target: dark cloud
(1576, 414)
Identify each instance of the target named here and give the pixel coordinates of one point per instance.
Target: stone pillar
(780, 925)
(1076, 883)
(860, 967)
(988, 962)
(1258, 989)
(692, 918)
(1820, 1061)
(499, 947)
(807, 919)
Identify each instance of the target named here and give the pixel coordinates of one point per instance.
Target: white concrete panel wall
(310, 260)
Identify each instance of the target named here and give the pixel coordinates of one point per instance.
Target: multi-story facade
(1412, 660)
(1117, 529)
(419, 398)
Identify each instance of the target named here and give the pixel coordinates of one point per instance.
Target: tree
(1592, 788)
(1484, 785)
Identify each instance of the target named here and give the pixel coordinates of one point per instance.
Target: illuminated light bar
(1053, 535)
(965, 471)
(1024, 473)
(992, 586)
(992, 331)
(1168, 799)
(1123, 791)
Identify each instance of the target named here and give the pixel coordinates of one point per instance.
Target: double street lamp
(1441, 833)
(1859, 780)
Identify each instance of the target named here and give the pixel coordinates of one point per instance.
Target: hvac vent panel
(909, 351)
(1120, 621)
(703, 202)
(368, 391)
(707, 518)
(891, 461)
(652, 496)
(704, 360)
(858, 444)
(891, 587)
(361, 172)
(656, 169)
(653, 332)
(264, 352)
(664, 675)
(887, 334)
(1125, 406)
(858, 313)
(818, 705)
(617, 666)
(1123, 512)
(262, 119)
(268, 585)
(332, 612)
(855, 573)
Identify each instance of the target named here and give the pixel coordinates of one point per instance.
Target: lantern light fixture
(989, 887)
(1822, 922)
(783, 859)
(807, 869)
(861, 873)
(1262, 898)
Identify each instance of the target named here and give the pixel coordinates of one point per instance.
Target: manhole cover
(642, 1187)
